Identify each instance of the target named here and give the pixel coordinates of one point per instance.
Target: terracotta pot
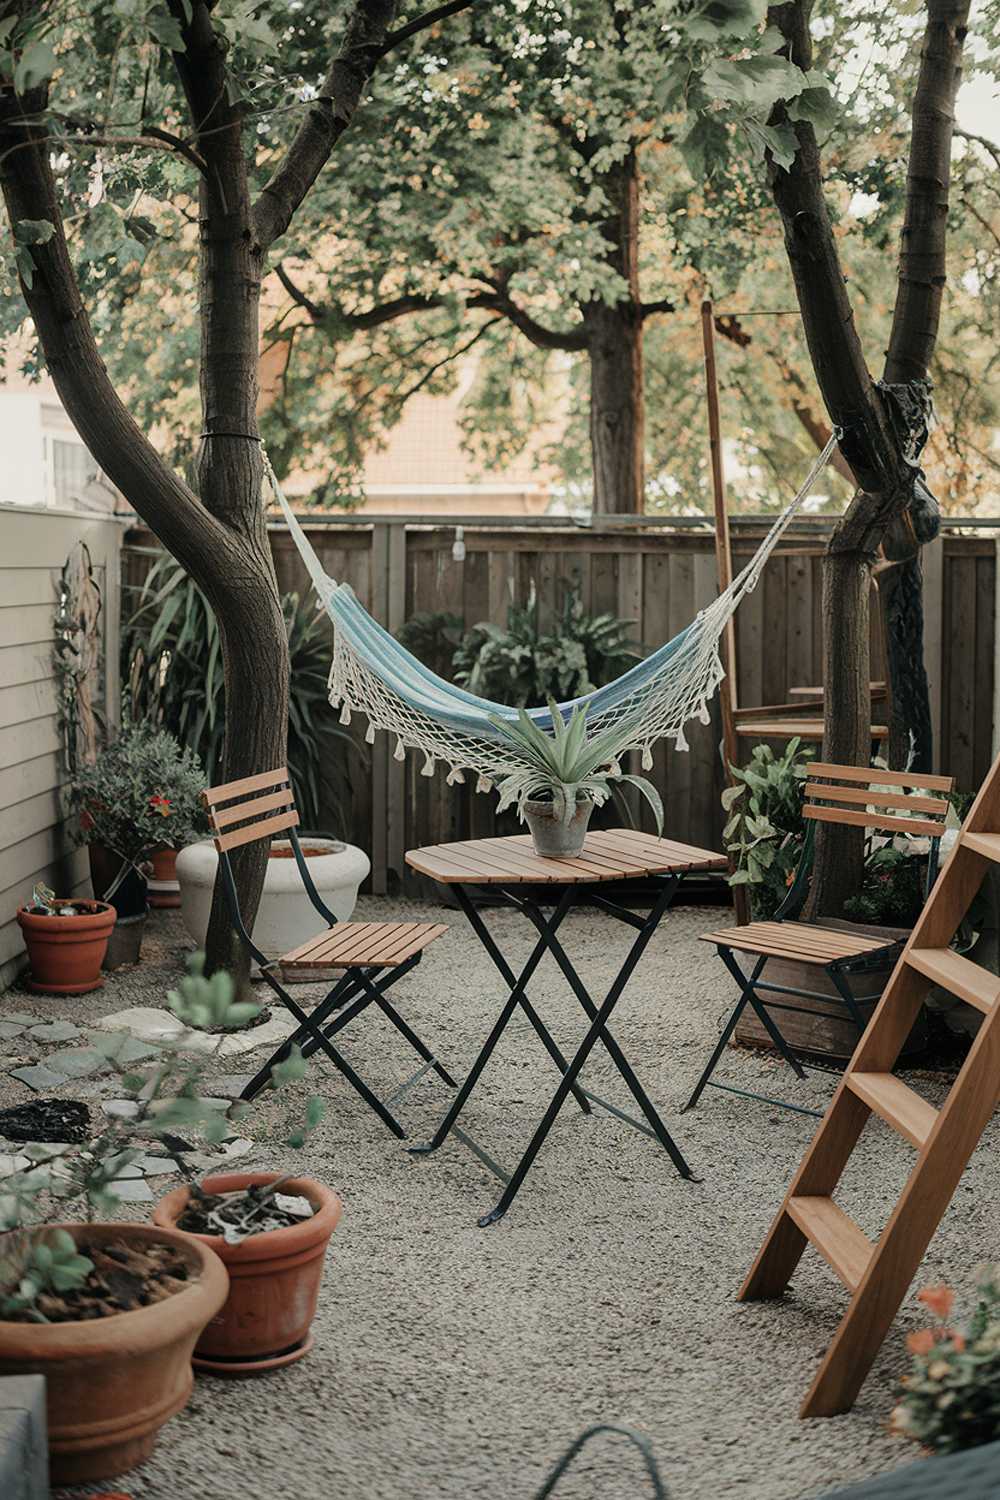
(274, 1279)
(111, 1383)
(66, 953)
(164, 890)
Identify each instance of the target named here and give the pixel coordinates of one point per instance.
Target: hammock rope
(373, 674)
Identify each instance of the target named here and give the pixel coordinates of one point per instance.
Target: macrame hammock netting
(374, 675)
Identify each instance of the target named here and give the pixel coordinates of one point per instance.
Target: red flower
(160, 805)
(938, 1298)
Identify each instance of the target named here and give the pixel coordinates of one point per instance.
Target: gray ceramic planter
(553, 837)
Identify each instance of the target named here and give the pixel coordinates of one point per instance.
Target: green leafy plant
(142, 792)
(765, 831)
(565, 766)
(522, 664)
(167, 1105)
(433, 636)
(893, 887)
(951, 1397)
(172, 665)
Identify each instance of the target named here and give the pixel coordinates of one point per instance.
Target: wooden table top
(609, 854)
(784, 729)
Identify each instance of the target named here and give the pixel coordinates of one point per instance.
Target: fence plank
(658, 577)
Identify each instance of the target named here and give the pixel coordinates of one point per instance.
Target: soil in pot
(552, 836)
(124, 1277)
(274, 1276)
(66, 952)
(115, 1374)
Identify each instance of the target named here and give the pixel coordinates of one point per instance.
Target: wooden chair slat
(926, 783)
(365, 945)
(230, 789)
(255, 831)
(918, 827)
(238, 812)
(866, 797)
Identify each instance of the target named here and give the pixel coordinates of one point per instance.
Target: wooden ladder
(878, 1275)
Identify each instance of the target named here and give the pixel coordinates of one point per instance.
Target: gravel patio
(453, 1362)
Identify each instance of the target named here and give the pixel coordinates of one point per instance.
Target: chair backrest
(238, 811)
(858, 796)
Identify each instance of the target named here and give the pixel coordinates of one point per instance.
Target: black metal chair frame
(839, 972)
(353, 993)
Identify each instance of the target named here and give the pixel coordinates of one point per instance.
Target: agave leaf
(652, 796)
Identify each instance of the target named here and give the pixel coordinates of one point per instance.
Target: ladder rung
(983, 843)
(838, 1239)
(959, 975)
(898, 1105)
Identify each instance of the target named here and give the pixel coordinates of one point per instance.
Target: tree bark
(916, 315)
(614, 344)
(869, 444)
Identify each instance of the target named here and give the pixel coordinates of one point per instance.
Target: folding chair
(369, 956)
(841, 955)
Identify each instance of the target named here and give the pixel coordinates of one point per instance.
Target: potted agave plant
(556, 780)
(112, 1313)
(139, 800)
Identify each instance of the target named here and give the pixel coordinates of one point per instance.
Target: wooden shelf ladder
(878, 1275)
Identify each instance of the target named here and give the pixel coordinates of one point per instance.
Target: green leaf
(780, 141)
(705, 147)
(34, 67)
(166, 30)
(34, 231)
(816, 105)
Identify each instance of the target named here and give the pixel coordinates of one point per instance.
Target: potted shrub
(111, 1313)
(949, 1399)
(270, 1231)
(142, 794)
(557, 779)
(66, 942)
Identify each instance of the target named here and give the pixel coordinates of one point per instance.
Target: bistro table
(512, 870)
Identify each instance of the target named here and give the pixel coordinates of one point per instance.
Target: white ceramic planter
(286, 917)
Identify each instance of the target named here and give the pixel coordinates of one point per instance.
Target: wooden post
(728, 700)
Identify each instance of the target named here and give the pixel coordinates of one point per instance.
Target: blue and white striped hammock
(374, 675)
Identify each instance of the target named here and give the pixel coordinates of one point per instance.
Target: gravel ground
(455, 1362)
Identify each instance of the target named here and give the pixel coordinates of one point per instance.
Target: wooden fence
(658, 576)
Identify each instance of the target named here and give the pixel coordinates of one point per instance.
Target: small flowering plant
(951, 1397)
(143, 792)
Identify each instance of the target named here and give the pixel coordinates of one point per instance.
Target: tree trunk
(847, 718)
(614, 332)
(617, 422)
(911, 737)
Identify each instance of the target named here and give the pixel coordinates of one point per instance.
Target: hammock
(373, 674)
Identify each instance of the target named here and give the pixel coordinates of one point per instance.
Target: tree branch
(648, 309)
(124, 453)
(498, 300)
(423, 23)
(835, 348)
(979, 140)
(921, 276)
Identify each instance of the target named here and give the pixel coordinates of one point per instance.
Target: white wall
(34, 842)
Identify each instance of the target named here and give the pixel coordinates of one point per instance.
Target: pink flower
(921, 1342)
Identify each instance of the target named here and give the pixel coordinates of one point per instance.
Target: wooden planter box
(825, 1030)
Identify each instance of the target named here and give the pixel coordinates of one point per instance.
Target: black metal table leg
(512, 1003)
(488, 941)
(646, 931)
(569, 1077)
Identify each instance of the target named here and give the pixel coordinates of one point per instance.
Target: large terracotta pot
(66, 953)
(111, 1383)
(274, 1279)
